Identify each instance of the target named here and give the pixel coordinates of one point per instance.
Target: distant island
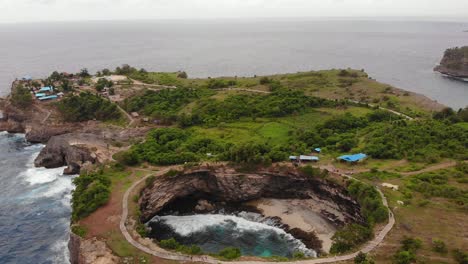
(454, 63)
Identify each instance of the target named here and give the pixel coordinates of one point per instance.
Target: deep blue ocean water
(34, 206)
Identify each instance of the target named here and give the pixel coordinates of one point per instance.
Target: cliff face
(454, 63)
(59, 152)
(237, 188)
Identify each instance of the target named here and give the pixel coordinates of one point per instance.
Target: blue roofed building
(50, 97)
(39, 95)
(304, 158)
(318, 150)
(47, 89)
(353, 158)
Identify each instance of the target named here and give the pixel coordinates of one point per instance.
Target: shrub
(350, 237)
(370, 200)
(460, 256)
(265, 80)
(128, 158)
(298, 255)
(91, 192)
(87, 106)
(311, 171)
(170, 243)
(404, 257)
(439, 246)
(141, 229)
(79, 230)
(230, 253)
(21, 97)
(182, 75)
(363, 258)
(407, 252)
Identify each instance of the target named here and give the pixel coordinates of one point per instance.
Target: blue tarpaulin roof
(46, 89)
(40, 94)
(353, 158)
(318, 149)
(48, 97)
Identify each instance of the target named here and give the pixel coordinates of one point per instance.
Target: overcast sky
(72, 10)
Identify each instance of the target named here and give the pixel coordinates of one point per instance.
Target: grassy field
(424, 217)
(331, 84)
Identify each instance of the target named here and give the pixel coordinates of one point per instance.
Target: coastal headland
(147, 144)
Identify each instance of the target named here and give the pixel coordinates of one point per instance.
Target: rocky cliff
(59, 152)
(454, 63)
(166, 193)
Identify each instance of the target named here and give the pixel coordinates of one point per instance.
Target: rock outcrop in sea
(454, 63)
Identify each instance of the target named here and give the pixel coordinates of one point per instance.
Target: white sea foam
(56, 183)
(186, 225)
(61, 253)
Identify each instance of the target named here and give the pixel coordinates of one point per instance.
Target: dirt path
(444, 165)
(136, 82)
(132, 120)
(161, 253)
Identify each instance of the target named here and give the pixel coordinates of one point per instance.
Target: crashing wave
(253, 233)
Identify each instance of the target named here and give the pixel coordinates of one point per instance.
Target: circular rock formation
(210, 190)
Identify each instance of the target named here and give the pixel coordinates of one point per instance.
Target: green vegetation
(164, 104)
(363, 258)
(350, 237)
(87, 106)
(21, 97)
(455, 57)
(230, 253)
(437, 184)
(281, 102)
(373, 211)
(460, 256)
(92, 191)
(370, 200)
(407, 253)
(79, 230)
(172, 244)
(439, 246)
(422, 141)
(103, 83)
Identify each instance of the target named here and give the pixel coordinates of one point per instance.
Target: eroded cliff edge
(219, 186)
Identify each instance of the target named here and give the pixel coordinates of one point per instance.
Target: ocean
(34, 206)
(400, 53)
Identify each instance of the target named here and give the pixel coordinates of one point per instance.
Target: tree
(84, 73)
(182, 75)
(21, 96)
(106, 72)
(55, 76)
(66, 85)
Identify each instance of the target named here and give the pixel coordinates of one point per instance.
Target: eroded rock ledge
(58, 152)
(219, 185)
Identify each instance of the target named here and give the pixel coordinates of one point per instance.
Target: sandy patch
(300, 214)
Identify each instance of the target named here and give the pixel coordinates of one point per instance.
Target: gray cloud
(39, 10)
